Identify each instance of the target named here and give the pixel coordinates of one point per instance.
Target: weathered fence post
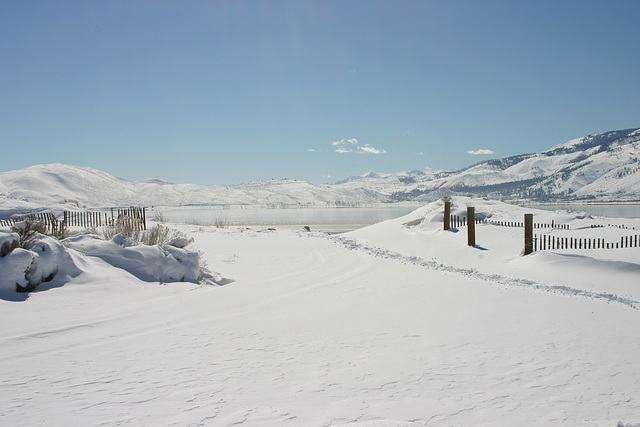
(471, 226)
(528, 233)
(447, 215)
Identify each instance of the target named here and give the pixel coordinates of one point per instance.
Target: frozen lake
(342, 219)
(318, 219)
(611, 210)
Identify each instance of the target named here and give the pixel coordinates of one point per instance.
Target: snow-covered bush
(8, 242)
(41, 259)
(157, 263)
(28, 229)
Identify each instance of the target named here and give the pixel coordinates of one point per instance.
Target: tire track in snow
(492, 279)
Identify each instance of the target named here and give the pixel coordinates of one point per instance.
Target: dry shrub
(157, 235)
(130, 227)
(221, 223)
(159, 216)
(160, 235)
(27, 229)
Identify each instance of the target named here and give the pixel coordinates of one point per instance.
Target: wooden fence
(546, 242)
(138, 217)
(47, 219)
(543, 241)
(553, 224)
(109, 218)
(457, 221)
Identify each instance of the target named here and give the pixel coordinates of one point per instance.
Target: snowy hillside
(604, 167)
(56, 183)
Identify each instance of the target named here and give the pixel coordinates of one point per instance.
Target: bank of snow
(499, 249)
(396, 324)
(43, 262)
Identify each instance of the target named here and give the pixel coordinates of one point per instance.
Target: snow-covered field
(400, 323)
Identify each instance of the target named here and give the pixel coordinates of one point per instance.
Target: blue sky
(222, 92)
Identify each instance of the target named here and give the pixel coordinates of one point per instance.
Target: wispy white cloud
(311, 150)
(366, 148)
(345, 145)
(480, 152)
(352, 145)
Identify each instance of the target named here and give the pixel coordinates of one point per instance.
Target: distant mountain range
(58, 183)
(603, 167)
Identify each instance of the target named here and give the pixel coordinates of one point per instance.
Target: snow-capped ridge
(605, 167)
(52, 184)
(603, 140)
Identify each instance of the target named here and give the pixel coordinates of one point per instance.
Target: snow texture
(396, 324)
(42, 260)
(158, 263)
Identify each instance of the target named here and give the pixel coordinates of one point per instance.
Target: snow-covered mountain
(58, 183)
(604, 167)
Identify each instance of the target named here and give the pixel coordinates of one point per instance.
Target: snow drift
(158, 263)
(44, 260)
(396, 324)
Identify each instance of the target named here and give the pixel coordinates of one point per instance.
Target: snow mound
(160, 263)
(42, 260)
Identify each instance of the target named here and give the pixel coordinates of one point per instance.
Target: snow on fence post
(447, 215)
(471, 226)
(528, 233)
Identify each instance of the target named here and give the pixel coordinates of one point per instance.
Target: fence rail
(546, 242)
(100, 219)
(138, 217)
(47, 219)
(553, 224)
(458, 221)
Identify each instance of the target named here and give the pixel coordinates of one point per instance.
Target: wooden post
(471, 226)
(447, 215)
(528, 233)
